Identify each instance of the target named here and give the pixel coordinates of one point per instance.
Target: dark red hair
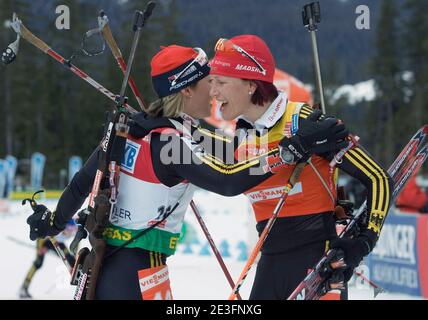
(265, 92)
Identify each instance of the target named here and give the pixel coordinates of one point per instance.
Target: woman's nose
(213, 91)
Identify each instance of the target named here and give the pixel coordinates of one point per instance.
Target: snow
(366, 90)
(194, 275)
(362, 91)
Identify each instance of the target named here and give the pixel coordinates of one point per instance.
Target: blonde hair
(170, 106)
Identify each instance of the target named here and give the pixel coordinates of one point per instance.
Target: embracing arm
(203, 169)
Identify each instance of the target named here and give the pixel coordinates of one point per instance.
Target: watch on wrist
(286, 155)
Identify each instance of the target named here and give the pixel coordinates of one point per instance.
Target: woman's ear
(186, 92)
(252, 87)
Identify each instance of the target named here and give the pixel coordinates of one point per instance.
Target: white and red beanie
(231, 63)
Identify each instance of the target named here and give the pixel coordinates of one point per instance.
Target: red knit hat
(246, 57)
(175, 68)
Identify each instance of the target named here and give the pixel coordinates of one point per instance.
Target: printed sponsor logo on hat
(184, 82)
(222, 63)
(202, 60)
(185, 74)
(242, 67)
(172, 78)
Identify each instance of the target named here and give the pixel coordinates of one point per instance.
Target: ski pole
(23, 32)
(377, 289)
(20, 242)
(110, 173)
(213, 247)
(311, 15)
(139, 24)
(61, 253)
(108, 36)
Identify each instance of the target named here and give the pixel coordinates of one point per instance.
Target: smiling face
(233, 94)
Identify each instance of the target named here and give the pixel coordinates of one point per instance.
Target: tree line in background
(46, 108)
(399, 67)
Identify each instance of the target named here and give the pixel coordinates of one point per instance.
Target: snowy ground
(194, 271)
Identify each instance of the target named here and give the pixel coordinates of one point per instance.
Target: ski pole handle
(141, 17)
(108, 36)
(311, 15)
(140, 20)
(27, 35)
(33, 202)
(148, 12)
(111, 42)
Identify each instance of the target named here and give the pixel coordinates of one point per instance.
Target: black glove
(42, 223)
(315, 135)
(353, 250)
(322, 134)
